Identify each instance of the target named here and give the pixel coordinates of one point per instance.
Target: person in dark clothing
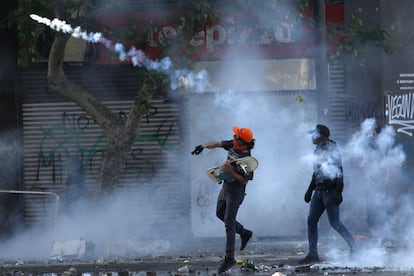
(233, 191)
(326, 186)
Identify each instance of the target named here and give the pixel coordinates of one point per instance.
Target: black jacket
(327, 167)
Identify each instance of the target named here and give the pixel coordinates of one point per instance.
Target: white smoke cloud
(274, 204)
(178, 77)
(376, 153)
(279, 127)
(118, 219)
(373, 182)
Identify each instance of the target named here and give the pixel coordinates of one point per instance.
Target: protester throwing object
(233, 190)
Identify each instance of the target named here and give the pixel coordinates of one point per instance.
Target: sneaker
(245, 238)
(226, 264)
(309, 259)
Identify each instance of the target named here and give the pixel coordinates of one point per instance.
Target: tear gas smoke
(178, 77)
(373, 190)
(274, 202)
(376, 152)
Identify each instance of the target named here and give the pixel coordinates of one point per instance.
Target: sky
(274, 203)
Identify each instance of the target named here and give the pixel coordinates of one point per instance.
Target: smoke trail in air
(178, 77)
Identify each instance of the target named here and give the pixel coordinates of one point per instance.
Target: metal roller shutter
(54, 129)
(337, 100)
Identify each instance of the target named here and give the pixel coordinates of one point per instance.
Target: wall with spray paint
(398, 80)
(55, 130)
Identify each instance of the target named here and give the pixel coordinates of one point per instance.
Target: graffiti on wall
(399, 110)
(205, 200)
(72, 136)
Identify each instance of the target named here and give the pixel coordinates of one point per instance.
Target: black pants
(228, 203)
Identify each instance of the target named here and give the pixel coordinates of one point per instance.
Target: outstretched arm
(210, 145)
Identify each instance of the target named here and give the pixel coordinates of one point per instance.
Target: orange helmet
(244, 133)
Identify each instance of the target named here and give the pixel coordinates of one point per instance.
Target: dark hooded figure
(325, 191)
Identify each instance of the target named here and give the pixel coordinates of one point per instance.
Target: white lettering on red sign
(218, 35)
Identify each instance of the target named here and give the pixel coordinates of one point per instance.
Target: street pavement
(272, 256)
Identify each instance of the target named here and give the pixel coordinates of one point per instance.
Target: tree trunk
(118, 144)
(117, 149)
(120, 138)
(120, 135)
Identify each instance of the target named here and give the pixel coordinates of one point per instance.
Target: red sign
(237, 36)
